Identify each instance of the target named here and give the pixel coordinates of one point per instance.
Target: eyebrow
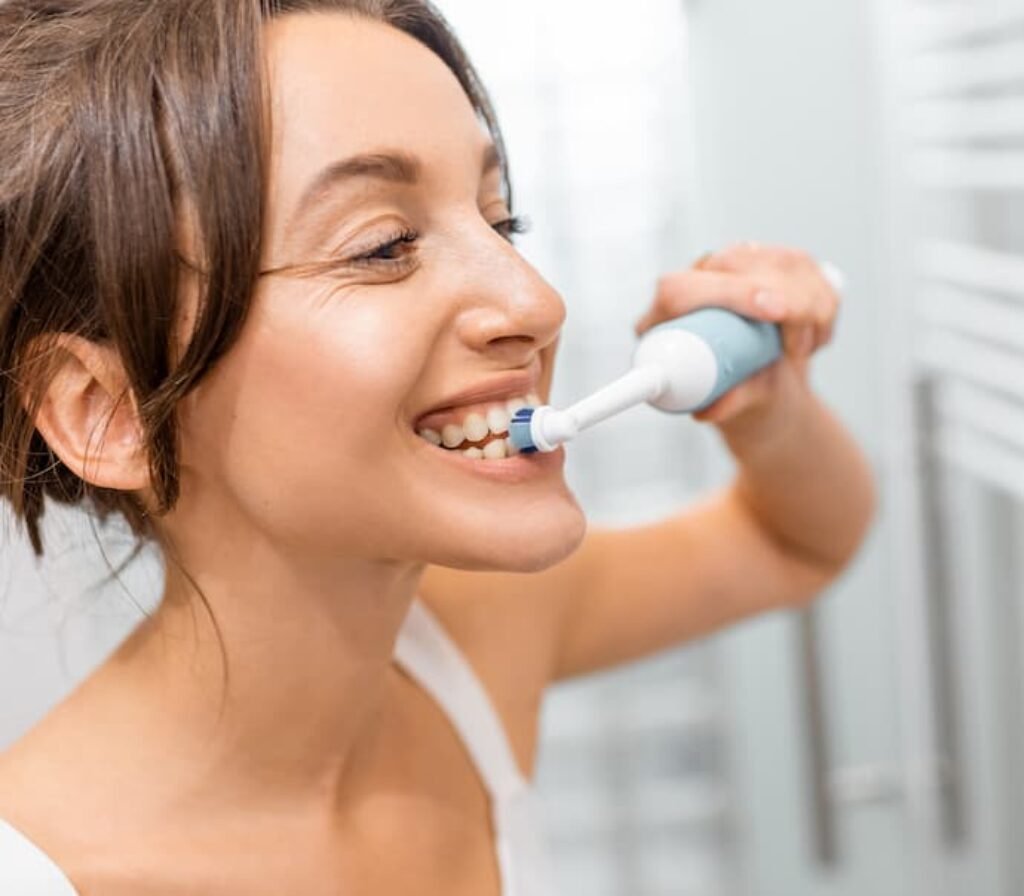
(391, 166)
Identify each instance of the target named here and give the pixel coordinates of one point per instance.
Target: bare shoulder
(59, 786)
(30, 770)
(33, 797)
(65, 792)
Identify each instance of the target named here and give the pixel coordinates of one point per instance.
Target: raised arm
(798, 509)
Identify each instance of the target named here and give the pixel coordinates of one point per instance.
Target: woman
(255, 260)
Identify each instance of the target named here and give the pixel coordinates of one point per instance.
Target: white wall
(789, 150)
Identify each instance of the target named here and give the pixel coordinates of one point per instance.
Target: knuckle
(762, 298)
(790, 259)
(673, 290)
(801, 310)
(829, 307)
(665, 287)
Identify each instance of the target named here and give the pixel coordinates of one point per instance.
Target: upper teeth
(476, 427)
(497, 419)
(452, 436)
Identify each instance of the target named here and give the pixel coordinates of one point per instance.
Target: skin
(311, 566)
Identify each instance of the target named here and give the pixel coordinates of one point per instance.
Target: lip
(499, 388)
(510, 471)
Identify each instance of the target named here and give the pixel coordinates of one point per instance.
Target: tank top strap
(427, 653)
(26, 870)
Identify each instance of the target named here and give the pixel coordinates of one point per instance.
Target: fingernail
(769, 302)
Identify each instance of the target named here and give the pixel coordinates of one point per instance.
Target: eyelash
(508, 228)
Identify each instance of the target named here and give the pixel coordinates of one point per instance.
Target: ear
(89, 418)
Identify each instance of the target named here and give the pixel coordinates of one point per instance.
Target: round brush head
(520, 431)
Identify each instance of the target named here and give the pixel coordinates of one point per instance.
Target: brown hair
(113, 114)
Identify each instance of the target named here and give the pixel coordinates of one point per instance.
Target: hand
(769, 283)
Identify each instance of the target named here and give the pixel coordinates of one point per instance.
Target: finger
(728, 406)
(685, 291)
(827, 310)
(802, 366)
(825, 335)
(822, 328)
(749, 393)
(752, 256)
(798, 340)
(810, 298)
(808, 342)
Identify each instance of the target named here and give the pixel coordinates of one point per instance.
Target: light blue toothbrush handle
(741, 346)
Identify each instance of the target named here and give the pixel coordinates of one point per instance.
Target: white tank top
(433, 661)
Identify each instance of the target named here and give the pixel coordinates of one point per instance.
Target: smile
(479, 432)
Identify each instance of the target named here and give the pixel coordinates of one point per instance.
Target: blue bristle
(519, 431)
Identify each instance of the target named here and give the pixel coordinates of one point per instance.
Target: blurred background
(870, 745)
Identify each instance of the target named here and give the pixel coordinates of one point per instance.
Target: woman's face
(307, 431)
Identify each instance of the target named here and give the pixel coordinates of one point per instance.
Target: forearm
(803, 477)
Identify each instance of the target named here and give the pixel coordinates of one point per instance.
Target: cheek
(294, 421)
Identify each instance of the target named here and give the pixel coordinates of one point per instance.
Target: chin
(536, 547)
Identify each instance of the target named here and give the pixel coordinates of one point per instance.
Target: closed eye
(512, 226)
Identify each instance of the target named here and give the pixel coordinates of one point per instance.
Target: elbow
(821, 572)
(862, 515)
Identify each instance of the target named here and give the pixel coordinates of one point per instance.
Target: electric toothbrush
(679, 366)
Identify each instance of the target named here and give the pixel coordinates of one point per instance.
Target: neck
(308, 650)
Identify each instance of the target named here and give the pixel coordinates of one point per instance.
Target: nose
(509, 309)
